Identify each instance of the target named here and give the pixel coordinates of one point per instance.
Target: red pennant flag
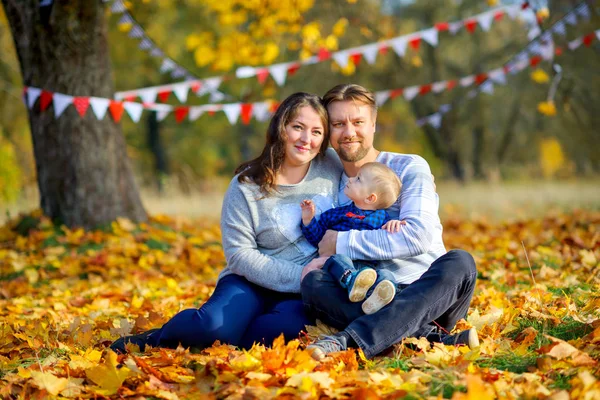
(384, 49)
(480, 78)
(506, 69)
(292, 69)
(246, 112)
(116, 110)
(450, 85)
(131, 97)
(356, 58)
(442, 26)
(524, 5)
(415, 43)
(274, 107)
(425, 89)
(558, 51)
(395, 93)
(45, 100)
(211, 112)
(587, 39)
(471, 24)
(180, 113)
(81, 104)
(323, 54)
(262, 75)
(535, 60)
(196, 86)
(498, 15)
(164, 96)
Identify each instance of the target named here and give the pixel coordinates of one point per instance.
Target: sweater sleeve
(241, 250)
(315, 230)
(419, 208)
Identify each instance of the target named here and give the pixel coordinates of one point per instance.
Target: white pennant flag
(438, 87)
(125, 19)
(399, 46)
(118, 7)
(279, 73)
(382, 97)
(485, 20)
(134, 110)
(156, 52)
(99, 106)
(180, 91)
(598, 34)
(487, 87)
(575, 43)
(547, 49)
(430, 36)
(195, 113)
(32, 95)
(162, 114)
(370, 52)
(534, 32)
(260, 111)
(178, 73)
(167, 65)
(435, 120)
(148, 95)
(162, 110)
(560, 28)
(571, 19)
(444, 108)
(410, 92)
(145, 44)
(232, 111)
(210, 85)
(217, 96)
(584, 11)
(341, 58)
(136, 32)
(245, 72)
(61, 102)
(513, 11)
(454, 27)
(467, 80)
(497, 75)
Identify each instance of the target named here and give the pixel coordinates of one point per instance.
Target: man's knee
(464, 264)
(312, 281)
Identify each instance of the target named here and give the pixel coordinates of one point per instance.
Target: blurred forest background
(493, 140)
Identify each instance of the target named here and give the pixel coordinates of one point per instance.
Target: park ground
(66, 294)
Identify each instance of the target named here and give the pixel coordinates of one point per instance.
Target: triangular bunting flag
(210, 85)
(435, 120)
(32, 95)
(575, 43)
(261, 111)
(232, 111)
(415, 43)
(145, 44)
(399, 46)
(134, 110)
(125, 19)
(45, 100)
(195, 113)
(487, 87)
(245, 72)
(370, 53)
(424, 89)
(584, 11)
(118, 7)
(136, 32)
(148, 95)
(410, 92)
(116, 110)
(485, 20)
(513, 11)
(444, 108)
(279, 73)
(560, 28)
(598, 34)
(181, 113)
(178, 72)
(61, 102)
(293, 68)
(246, 112)
(382, 97)
(162, 114)
(430, 36)
(341, 58)
(356, 58)
(454, 27)
(534, 32)
(216, 96)
(498, 75)
(470, 25)
(438, 87)
(164, 95)
(466, 81)
(167, 65)
(156, 52)
(81, 105)
(323, 54)
(262, 75)
(571, 18)
(99, 106)
(587, 39)
(181, 91)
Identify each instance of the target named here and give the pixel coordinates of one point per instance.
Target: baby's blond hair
(383, 182)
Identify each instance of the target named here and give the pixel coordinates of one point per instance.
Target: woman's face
(305, 134)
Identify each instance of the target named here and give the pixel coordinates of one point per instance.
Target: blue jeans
(442, 294)
(339, 265)
(238, 313)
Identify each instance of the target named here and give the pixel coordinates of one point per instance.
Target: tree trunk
(82, 166)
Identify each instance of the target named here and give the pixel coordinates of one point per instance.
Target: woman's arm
(241, 251)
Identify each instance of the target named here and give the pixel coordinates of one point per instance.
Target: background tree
(82, 167)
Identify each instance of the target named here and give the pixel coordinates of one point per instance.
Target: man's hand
(328, 243)
(317, 263)
(393, 225)
(308, 211)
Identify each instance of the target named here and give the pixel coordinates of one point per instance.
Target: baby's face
(358, 188)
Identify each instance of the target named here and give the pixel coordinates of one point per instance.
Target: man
(434, 287)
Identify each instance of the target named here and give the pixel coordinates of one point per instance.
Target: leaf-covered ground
(67, 294)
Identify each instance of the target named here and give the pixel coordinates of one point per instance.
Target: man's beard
(357, 155)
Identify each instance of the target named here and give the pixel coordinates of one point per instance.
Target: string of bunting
(540, 48)
(369, 52)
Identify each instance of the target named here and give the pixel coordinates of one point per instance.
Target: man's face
(352, 128)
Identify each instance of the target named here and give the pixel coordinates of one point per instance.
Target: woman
(257, 295)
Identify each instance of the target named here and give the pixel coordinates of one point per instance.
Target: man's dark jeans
(443, 293)
(339, 265)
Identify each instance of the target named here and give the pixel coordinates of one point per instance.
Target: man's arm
(419, 209)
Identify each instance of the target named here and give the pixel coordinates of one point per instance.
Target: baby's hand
(393, 225)
(308, 211)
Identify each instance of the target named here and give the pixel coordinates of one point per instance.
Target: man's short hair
(385, 183)
(350, 92)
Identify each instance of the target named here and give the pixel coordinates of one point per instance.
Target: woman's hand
(308, 211)
(317, 263)
(393, 225)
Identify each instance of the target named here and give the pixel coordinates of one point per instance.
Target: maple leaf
(108, 376)
(49, 382)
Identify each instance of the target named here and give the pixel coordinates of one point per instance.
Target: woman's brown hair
(263, 169)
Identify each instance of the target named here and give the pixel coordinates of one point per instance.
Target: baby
(375, 188)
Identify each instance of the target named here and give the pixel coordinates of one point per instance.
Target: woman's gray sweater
(261, 234)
